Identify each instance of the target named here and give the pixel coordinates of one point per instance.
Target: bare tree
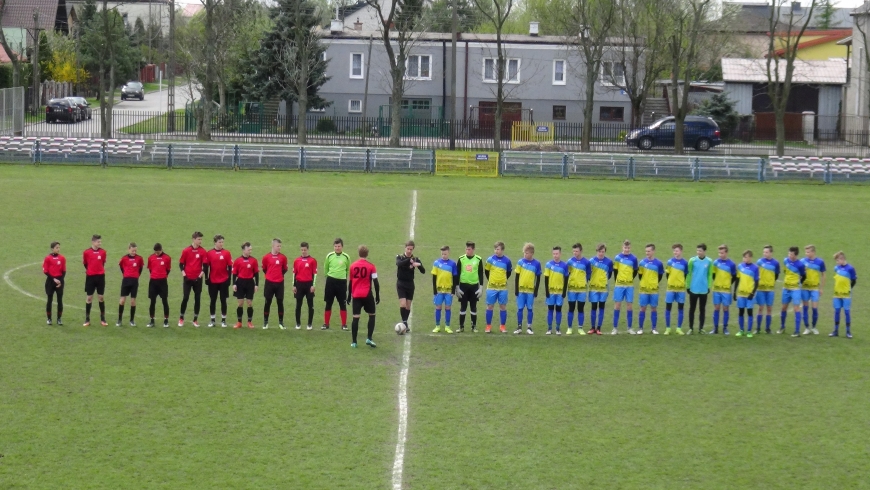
(861, 34)
(13, 56)
(497, 13)
(787, 25)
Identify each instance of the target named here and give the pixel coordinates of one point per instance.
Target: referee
(337, 264)
(405, 265)
(470, 285)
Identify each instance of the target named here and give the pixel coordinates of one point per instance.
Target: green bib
(468, 268)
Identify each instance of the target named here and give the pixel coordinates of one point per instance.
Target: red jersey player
(274, 268)
(159, 264)
(191, 261)
(94, 260)
(218, 267)
(246, 281)
(54, 268)
(364, 278)
(131, 268)
(304, 277)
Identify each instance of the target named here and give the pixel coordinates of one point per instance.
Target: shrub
(325, 125)
(721, 109)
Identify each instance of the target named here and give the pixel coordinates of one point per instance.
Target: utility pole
(170, 72)
(36, 102)
(453, 29)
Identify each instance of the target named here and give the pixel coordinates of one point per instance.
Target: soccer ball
(400, 328)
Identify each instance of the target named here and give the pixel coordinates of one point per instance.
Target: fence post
(104, 154)
(368, 160)
(169, 156)
(432, 162)
(761, 169)
(237, 160)
(498, 162)
(828, 178)
(697, 165)
(630, 168)
(301, 159)
(37, 153)
(564, 165)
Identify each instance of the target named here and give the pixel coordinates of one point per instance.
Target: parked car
(83, 105)
(132, 90)
(700, 133)
(61, 110)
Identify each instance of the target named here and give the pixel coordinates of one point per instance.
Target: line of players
(576, 279)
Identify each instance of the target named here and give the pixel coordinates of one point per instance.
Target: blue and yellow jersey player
(445, 280)
(724, 278)
(498, 269)
(812, 287)
(768, 274)
(555, 288)
(845, 278)
(624, 272)
(677, 270)
(651, 271)
(601, 269)
(526, 283)
(794, 274)
(579, 272)
(745, 289)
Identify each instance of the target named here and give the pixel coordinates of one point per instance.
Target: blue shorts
(672, 296)
(810, 295)
(844, 303)
(791, 296)
(496, 295)
(525, 300)
(443, 299)
(623, 293)
(597, 297)
(723, 299)
(581, 297)
(649, 300)
(744, 302)
(764, 298)
(555, 300)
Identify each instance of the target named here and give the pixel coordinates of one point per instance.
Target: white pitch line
(399, 461)
(15, 286)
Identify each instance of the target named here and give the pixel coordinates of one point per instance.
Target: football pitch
(112, 408)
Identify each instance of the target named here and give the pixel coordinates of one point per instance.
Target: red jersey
(132, 266)
(191, 261)
(95, 261)
(220, 263)
(245, 267)
(275, 266)
(304, 269)
(362, 272)
(159, 265)
(54, 265)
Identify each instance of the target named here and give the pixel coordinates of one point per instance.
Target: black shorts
(51, 287)
(274, 289)
(335, 289)
(158, 288)
(219, 288)
(303, 290)
(405, 290)
(95, 283)
(367, 304)
(244, 289)
(129, 287)
(469, 292)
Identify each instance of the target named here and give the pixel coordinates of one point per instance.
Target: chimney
(795, 6)
(357, 26)
(533, 28)
(336, 26)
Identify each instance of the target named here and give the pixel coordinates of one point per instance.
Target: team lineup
(472, 279)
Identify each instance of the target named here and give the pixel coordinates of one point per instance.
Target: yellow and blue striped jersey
(499, 269)
(815, 268)
(556, 274)
(650, 272)
(444, 271)
(624, 267)
(579, 271)
(528, 271)
(747, 279)
(724, 272)
(795, 273)
(844, 275)
(676, 270)
(768, 271)
(601, 271)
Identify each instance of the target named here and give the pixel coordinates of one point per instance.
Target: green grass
(217, 408)
(156, 124)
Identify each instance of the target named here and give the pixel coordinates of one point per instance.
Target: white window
(512, 73)
(558, 72)
(612, 73)
(356, 65)
(354, 105)
(418, 67)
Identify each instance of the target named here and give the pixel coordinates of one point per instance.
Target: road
(127, 112)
